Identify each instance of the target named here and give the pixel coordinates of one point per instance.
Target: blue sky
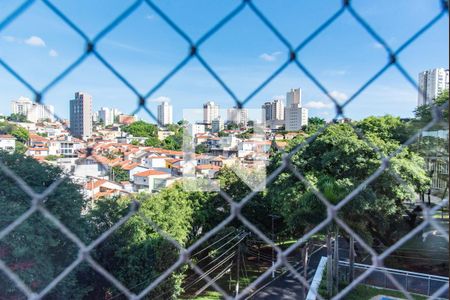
(38, 45)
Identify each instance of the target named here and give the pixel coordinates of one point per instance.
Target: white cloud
(339, 95)
(53, 53)
(150, 17)
(35, 41)
(160, 99)
(270, 57)
(318, 105)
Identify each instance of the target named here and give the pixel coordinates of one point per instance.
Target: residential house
(7, 143)
(150, 180)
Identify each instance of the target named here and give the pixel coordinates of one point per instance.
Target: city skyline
(243, 68)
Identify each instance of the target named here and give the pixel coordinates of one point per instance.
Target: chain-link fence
(194, 53)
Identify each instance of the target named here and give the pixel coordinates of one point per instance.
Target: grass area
(438, 215)
(210, 295)
(365, 292)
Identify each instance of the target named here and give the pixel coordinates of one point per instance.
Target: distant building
(432, 83)
(273, 114)
(237, 116)
(294, 98)
(81, 115)
(33, 111)
(277, 109)
(7, 143)
(126, 119)
(210, 112)
(266, 112)
(217, 125)
(195, 129)
(165, 111)
(108, 115)
(295, 115)
(105, 115)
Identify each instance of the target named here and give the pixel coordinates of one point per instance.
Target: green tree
(339, 156)
(424, 113)
(21, 148)
(21, 134)
(232, 126)
(202, 148)
(36, 250)
(385, 128)
(223, 134)
(17, 118)
(152, 142)
(141, 129)
(314, 124)
(173, 142)
(118, 174)
(136, 253)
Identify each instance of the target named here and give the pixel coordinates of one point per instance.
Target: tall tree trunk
(351, 259)
(329, 266)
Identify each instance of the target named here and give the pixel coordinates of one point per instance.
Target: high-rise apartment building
(210, 112)
(165, 111)
(217, 125)
(108, 115)
(432, 83)
(294, 97)
(266, 112)
(237, 116)
(81, 115)
(33, 111)
(295, 115)
(277, 109)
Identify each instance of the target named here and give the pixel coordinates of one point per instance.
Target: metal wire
(193, 52)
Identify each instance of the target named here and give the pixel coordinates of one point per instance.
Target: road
(287, 286)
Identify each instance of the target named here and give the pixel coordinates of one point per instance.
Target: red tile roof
(207, 167)
(150, 173)
(95, 184)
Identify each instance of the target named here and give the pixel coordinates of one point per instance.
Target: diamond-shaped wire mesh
(193, 52)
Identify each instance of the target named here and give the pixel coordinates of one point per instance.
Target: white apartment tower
(33, 111)
(106, 116)
(81, 115)
(432, 83)
(210, 112)
(295, 115)
(165, 111)
(277, 109)
(237, 116)
(294, 97)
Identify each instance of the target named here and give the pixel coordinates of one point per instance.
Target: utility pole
(273, 239)
(237, 269)
(329, 265)
(351, 259)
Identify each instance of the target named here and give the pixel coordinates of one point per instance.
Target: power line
(218, 276)
(155, 276)
(223, 245)
(210, 245)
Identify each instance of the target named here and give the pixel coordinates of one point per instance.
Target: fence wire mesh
(194, 52)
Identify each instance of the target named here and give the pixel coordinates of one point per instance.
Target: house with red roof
(151, 180)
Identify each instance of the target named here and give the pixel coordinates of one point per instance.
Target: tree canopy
(141, 129)
(36, 250)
